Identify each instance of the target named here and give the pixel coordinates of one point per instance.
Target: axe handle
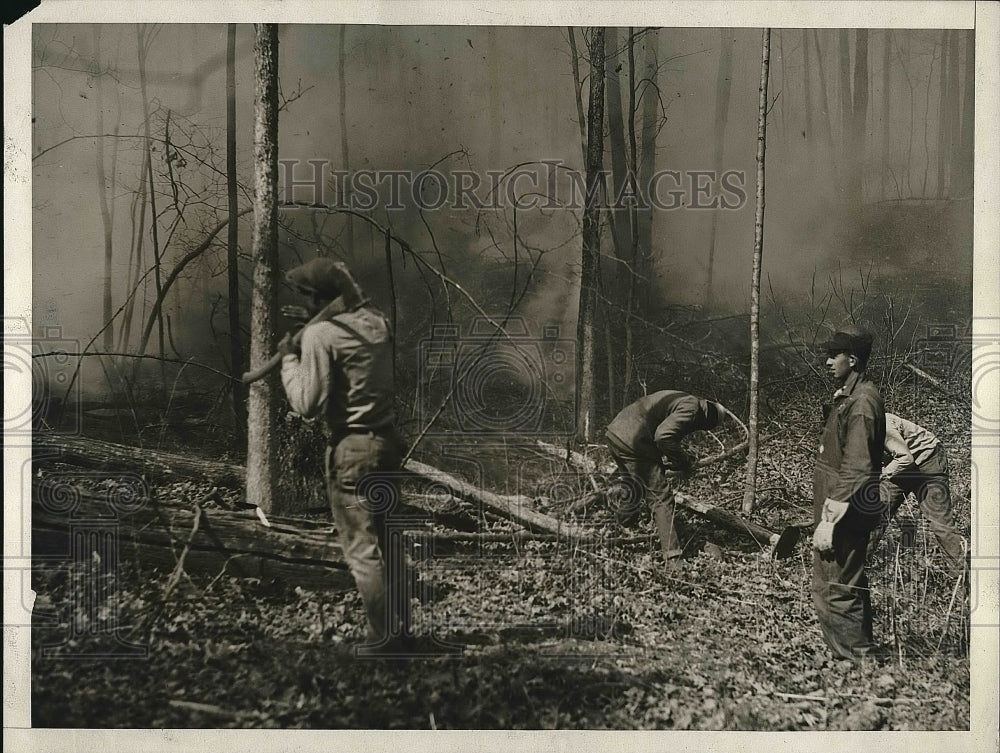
(336, 306)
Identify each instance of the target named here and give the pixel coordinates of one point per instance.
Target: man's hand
(832, 513)
(286, 347)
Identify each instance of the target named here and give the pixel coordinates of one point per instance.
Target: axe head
(786, 542)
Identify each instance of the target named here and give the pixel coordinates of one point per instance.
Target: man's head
(713, 414)
(322, 280)
(848, 350)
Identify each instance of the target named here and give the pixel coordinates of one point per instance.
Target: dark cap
(852, 340)
(327, 278)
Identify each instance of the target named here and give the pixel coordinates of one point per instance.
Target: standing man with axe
(645, 441)
(846, 500)
(343, 369)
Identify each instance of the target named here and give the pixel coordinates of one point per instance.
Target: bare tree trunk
(102, 193)
(574, 57)
(954, 112)
(942, 150)
(620, 227)
(859, 120)
(825, 104)
(758, 252)
(886, 107)
(143, 42)
(647, 167)
(846, 108)
(807, 85)
(236, 367)
(591, 256)
(968, 117)
(723, 88)
(345, 163)
(263, 416)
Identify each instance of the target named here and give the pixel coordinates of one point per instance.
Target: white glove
(833, 511)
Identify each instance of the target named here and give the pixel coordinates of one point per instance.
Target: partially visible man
(344, 371)
(645, 441)
(846, 499)
(919, 466)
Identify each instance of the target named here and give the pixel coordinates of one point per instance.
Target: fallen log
(166, 466)
(170, 466)
(782, 543)
(516, 508)
(66, 519)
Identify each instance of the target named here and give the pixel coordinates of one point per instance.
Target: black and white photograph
(587, 369)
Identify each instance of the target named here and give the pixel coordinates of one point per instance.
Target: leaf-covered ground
(549, 636)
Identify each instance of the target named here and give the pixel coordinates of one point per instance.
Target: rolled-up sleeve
(306, 378)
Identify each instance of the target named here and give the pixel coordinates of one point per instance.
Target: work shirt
(344, 371)
(850, 453)
(909, 444)
(653, 426)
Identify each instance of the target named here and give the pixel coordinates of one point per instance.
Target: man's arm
(306, 377)
(896, 446)
(673, 429)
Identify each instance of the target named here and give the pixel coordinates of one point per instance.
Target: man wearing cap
(846, 496)
(919, 466)
(645, 441)
(344, 371)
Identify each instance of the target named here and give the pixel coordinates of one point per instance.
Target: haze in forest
(484, 99)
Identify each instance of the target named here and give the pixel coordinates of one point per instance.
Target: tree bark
(262, 419)
(968, 117)
(574, 58)
(102, 193)
(846, 107)
(758, 251)
(620, 227)
(723, 88)
(344, 157)
(943, 120)
(647, 167)
(827, 111)
(858, 119)
(807, 86)
(886, 108)
(236, 367)
(591, 252)
(142, 42)
(954, 112)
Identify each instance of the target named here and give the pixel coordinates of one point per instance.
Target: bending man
(645, 441)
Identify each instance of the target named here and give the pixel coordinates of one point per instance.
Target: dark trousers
(645, 481)
(928, 482)
(363, 485)
(841, 595)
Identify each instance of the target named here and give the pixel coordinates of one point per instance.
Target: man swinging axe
(645, 441)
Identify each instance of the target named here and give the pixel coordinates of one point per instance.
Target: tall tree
(591, 253)
(649, 89)
(620, 229)
(826, 109)
(943, 119)
(846, 106)
(235, 339)
(102, 192)
(954, 110)
(262, 419)
(859, 119)
(807, 85)
(968, 116)
(886, 106)
(345, 163)
(758, 252)
(723, 87)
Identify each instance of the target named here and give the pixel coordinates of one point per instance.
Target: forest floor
(535, 634)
